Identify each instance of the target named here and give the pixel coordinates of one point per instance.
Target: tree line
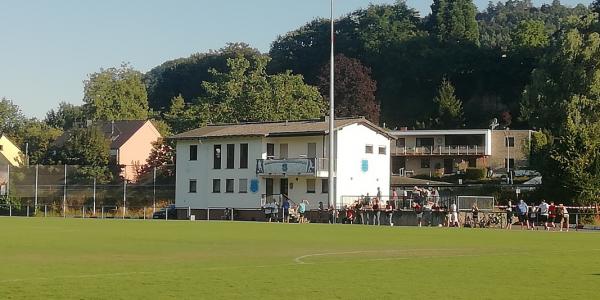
(527, 66)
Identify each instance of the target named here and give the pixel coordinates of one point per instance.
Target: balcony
(314, 167)
(462, 150)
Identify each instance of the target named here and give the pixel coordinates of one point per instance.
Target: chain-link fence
(75, 191)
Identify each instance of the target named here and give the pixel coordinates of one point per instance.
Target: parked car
(170, 210)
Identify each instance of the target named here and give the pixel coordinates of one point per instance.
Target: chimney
(404, 128)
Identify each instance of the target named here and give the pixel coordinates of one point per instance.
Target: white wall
(351, 180)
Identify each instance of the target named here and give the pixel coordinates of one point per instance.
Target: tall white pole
(331, 121)
(65, 195)
(35, 202)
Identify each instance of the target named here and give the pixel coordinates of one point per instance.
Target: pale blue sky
(47, 47)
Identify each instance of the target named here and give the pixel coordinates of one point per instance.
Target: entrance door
(283, 186)
(269, 189)
(448, 165)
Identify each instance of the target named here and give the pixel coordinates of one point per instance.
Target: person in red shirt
(552, 215)
(350, 214)
(419, 211)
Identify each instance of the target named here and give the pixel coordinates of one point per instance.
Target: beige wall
(10, 154)
(500, 152)
(137, 149)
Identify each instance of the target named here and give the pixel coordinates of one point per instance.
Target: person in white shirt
(454, 215)
(543, 210)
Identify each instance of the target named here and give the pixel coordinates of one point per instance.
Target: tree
(354, 89)
(183, 76)
(450, 110)
(11, 117)
(88, 149)
(564, 97)
(531, 34)
(116, 94)
(161, 159)
(596, 6)
(38, 136)
(453, 21)
(65, 116)
(182, 116)
(246, 93)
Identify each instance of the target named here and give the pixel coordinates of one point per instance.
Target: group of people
(548, 215)
(290, 210)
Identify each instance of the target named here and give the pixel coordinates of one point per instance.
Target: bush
(475, 173)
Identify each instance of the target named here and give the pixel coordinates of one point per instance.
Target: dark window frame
(193, 190)
(425, 163)
(368, 149)
(245, 191)
(229, 186)
(216, 186)
(230, 157)
(314, 186)
(217, 156)
(193, 152)
(243, 156)
(325, 186)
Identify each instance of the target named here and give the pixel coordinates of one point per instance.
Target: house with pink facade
(131, 142)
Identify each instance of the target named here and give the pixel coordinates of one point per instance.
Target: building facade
(440, 152)
(246, 165)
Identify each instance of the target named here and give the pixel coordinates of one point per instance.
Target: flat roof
(449, 132)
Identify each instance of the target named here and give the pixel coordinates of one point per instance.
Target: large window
(312, 150)
(217, 157)
(216, 185)
(283, 151)
(229, 183)
(270, 150)
(193, 152)
(324, 186)
(400, 142)
(230, 156)
(193, 186)
(243, 156)
(425, 163)
(509, 141)
(424, 142)
(310, 186)
(243, 188)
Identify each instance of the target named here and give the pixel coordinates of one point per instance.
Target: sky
(49, 47)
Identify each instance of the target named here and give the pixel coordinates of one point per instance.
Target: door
(312, 150)
(448, 165)
(283, 186)
(269, 189)
(283, 151)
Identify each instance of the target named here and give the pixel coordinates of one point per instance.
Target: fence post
(28, 210)
(94, 213)
(154, 191)
(189, 212)
(124, 195)
(102, 213)
(232, 211)
(10, 210)
(65, 195)
(208, 214)
(35, 200)
(576, 222)
(45, 211)
(83, 212)
(167, 213)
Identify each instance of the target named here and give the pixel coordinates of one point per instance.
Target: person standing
(564, 223)
(523, 210)
(454, 215)
(509, 215)
(302, 211)
(286, 209)
(376, 211)
(533, 217)
(552, 215)
(543, 211)
(475, 213)
(379, 193)
(389, 210)
(419, 212)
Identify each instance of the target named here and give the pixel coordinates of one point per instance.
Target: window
(382, 150)
(193, 186)
(425, 163)
(512, 163)
(243, 188)
(310, 186)
(270, 150)
(369, 149)
(217, 157)
(312, 150)
(424, 142)
(509, 141)
(243, 156)
(229, 185)
(230, 156)
(216, 185)
(400, 142)
(324, 186)
(283, 151)
(193, 152)
(472, 162)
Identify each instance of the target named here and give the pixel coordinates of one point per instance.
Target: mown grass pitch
(57, 258)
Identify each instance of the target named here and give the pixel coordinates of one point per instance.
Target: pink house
(130, 143)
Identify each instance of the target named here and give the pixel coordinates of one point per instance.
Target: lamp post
(507, 143)
(331, 194)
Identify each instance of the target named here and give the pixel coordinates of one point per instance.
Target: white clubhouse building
(242, 165)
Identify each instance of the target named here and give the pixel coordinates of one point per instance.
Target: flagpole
(331, 182)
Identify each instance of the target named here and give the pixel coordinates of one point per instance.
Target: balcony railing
(475, 150)
(317, 167)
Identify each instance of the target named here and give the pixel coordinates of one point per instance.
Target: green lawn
(116, 259)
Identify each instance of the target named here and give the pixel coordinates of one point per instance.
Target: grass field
(57, 258)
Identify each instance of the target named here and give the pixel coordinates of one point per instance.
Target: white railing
(440, 150)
